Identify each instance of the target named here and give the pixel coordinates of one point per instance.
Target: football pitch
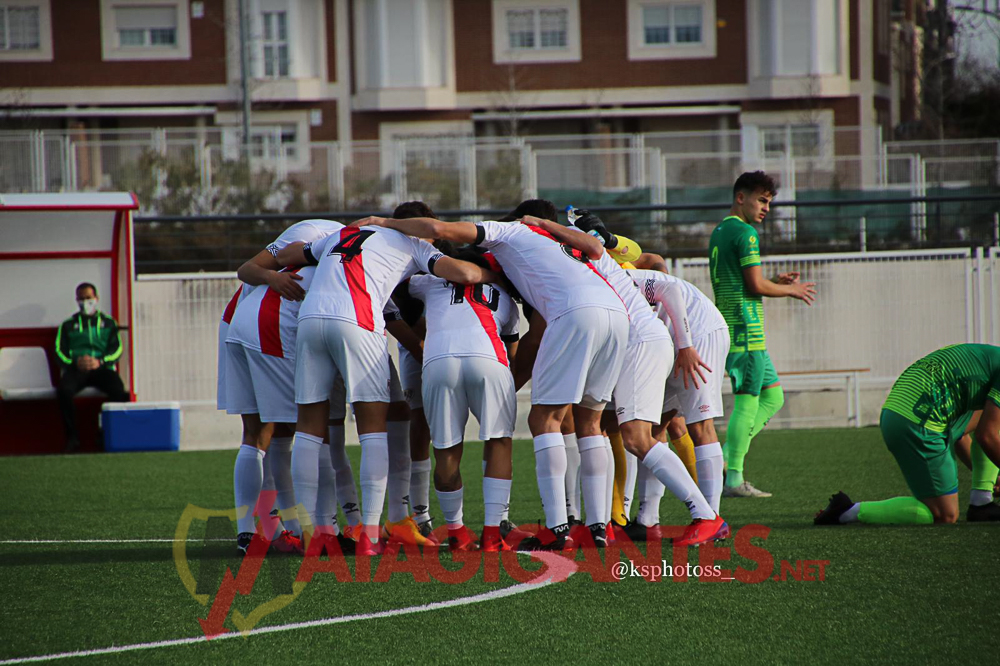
(90, 563)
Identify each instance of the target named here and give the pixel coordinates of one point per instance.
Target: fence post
(996, 229)
(863, 233)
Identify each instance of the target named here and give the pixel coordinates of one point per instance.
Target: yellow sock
(618, 497)
(685, 451)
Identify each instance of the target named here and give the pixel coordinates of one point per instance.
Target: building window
(796, 140)
(666, 24)
(533, 31)
(274, 40)
(671, 29)
(25, 31)
(270, 142)
(19, 28)
(537, 28)
(145, 29)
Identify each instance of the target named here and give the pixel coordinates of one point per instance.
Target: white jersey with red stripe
(553, 278)
(300, 232)
(656, 287)
(267, 322)
(358, 267)
(643, 324)
(465, 320)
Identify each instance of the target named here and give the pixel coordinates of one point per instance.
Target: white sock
(280, 462)
(550, 471)
(669, 469)
(650, 491)
(248, 476)
(593, 477)
(980, 497)
(496, 497)
(505, 513)
(374, 476)
(420, 490)
(631, 472)
(270, 525)
(609, 493)
(347, 492)
(397, 493)
(451, 506)
(305, 472)
(572, 476)
(326, 497)
(709, 464)
(851, 515)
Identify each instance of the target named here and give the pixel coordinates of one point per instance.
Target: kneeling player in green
(931, 407)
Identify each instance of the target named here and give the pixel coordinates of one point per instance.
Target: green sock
(771, 400)
(738, 436)
(984, 472)
(895, 511)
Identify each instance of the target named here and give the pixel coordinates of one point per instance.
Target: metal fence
(875, 314)
(206, 170)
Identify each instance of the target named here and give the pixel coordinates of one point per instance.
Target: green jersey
(940, 389)
(734, 246)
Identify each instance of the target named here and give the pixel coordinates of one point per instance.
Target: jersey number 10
(475, 293)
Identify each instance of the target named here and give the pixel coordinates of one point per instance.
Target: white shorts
(579, 358)
(329, 348)
(705, 402)
(260, 384)
(452, 386)
(409, 377)
(220, 381)
(645, 368)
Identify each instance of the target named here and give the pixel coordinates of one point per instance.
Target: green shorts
(924, 456)
(750, 371)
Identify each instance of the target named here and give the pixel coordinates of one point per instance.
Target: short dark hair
(413, 209)
(754, 181)
(542, 208)
(86, 285)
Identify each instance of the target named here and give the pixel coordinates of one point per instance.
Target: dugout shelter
(51, 243)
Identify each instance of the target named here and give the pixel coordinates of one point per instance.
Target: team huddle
(621, 357)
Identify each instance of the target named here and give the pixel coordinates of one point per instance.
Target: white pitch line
(559, 569)
(35, 541)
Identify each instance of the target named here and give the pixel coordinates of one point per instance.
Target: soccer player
(471, 332)
(341, 334)
(579, 356)
(699, 332)
(639, 393)
(931, 406)
(253, 460)
(739, 285)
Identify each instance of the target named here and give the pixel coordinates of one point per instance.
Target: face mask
(88, 306)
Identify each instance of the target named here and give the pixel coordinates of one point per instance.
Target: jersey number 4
(349, 247)
(475, 293)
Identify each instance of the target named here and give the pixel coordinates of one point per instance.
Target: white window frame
(111, 50)
(754, 123)
(503, 54)
(275, 43)
(269, 124)
(639, 50)
(44, 50)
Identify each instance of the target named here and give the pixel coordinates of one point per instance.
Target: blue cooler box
(141, 426)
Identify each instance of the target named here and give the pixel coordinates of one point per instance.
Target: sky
(978, 35)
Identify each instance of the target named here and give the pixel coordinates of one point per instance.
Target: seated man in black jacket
(88, 345)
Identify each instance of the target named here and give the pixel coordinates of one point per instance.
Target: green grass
(891, 594)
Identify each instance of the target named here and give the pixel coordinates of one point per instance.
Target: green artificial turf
(890, 594)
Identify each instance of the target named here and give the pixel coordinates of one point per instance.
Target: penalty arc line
(558, 569)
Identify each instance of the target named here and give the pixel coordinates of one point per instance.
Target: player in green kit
(739, 285)
(934, 403)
